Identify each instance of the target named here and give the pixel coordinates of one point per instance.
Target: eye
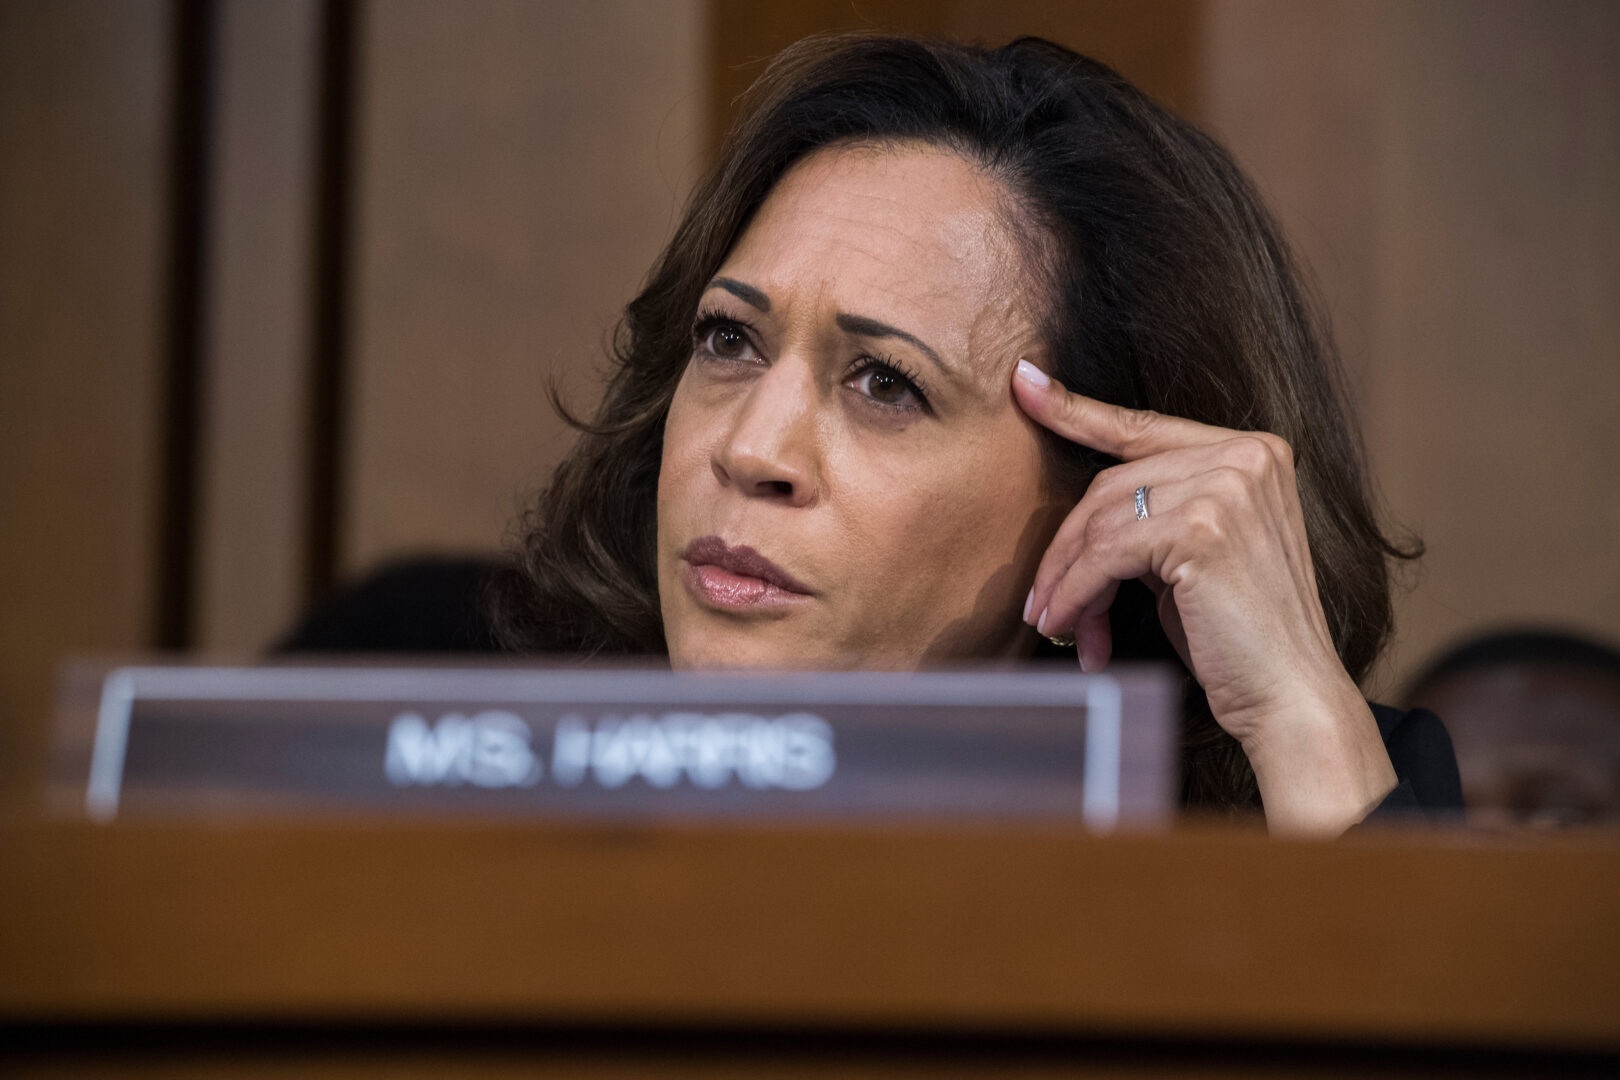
(722, 338)
(885, 385)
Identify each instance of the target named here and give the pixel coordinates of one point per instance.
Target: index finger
(1126, 434)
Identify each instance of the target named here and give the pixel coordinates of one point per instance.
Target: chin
(761, 648)
(740, 650)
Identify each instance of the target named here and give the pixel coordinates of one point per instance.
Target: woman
(957, 351)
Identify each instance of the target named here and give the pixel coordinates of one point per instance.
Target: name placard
(595, 743)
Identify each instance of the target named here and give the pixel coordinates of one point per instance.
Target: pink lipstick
(738, 578)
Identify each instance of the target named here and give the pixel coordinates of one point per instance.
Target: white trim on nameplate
(1099, 795)
(112, 736)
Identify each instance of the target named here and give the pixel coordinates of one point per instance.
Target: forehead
(912, 234)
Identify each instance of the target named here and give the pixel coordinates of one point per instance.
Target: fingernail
(1033, 375)
(1040, 623)
(1081, 653)
(1028, 600)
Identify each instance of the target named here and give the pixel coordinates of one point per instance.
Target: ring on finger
(1141, 503)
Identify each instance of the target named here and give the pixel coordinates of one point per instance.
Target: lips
(743, 562)
(737, 578)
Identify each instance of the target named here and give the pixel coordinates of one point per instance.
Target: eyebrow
(862, 326)
(746, 293)
(859, 325)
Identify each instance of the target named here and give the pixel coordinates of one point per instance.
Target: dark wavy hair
(1168, 287)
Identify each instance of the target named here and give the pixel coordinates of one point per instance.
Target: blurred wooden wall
(519, 167)
(1154, 42)
(282, 285)
(85, 114)
(1451, 172)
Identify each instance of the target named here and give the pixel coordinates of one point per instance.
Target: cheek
(939, 527)
(685, 450)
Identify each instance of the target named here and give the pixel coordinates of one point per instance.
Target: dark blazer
(1425, 767)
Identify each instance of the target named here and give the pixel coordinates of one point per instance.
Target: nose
(770, 449)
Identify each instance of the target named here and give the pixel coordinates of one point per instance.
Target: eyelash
(864, 364)
(710, 320)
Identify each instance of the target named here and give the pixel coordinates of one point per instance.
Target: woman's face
(846, 479)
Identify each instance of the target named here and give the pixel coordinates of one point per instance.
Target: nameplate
(591, 743)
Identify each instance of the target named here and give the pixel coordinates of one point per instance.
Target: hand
(1224, 549)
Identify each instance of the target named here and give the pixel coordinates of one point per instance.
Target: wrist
(1321, 767)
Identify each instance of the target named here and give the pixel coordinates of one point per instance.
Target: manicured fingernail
(1081, 653)
(1028, 600)
(1040, 623)
(1033, 375)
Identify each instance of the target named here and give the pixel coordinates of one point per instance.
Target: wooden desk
(516, 946)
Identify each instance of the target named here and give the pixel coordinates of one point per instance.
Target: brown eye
(728, 342)
(882, 385)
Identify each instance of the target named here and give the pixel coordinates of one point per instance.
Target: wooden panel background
(258, 325)
(84, 102)
(1452, 173)
(519, 167)
(1152, 42)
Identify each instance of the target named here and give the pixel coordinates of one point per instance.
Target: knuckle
(1205, 519)
(1096, 536)
(1137, 425)
(1282, 451)
(1064, 547)
(1231, 482)
(1251, 454)
(1106, 480)
(1073, 409)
